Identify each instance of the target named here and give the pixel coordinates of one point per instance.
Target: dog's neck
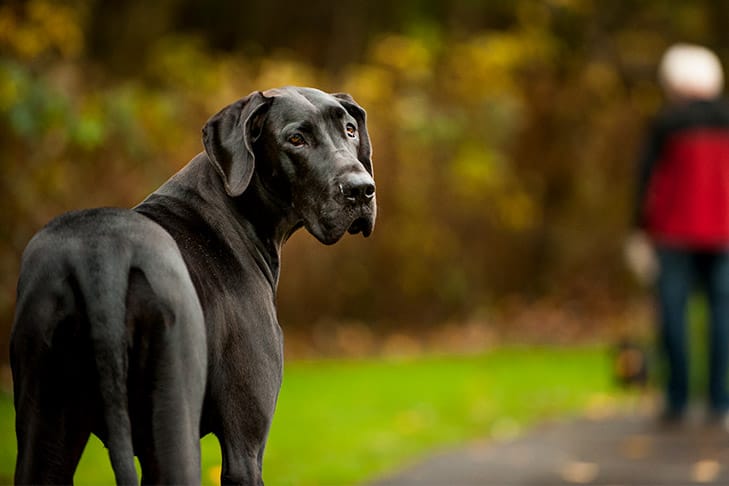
(263, 205)
(269, 217)
(262, 219)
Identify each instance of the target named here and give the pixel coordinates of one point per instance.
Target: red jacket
(684, 198)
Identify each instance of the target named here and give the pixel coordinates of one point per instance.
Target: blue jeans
(680, 270)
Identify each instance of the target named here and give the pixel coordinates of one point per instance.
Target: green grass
(343, 422)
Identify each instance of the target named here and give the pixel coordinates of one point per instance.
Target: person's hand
(640, 257)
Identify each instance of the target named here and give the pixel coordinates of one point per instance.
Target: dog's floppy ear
(228, 137)
(364, 152)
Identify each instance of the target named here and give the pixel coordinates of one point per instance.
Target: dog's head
(306, 149)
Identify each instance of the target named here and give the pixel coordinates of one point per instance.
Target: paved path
(627, 451)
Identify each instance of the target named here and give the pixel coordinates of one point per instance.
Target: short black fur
(165, 313)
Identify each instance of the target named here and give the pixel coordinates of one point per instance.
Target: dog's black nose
(358, 188)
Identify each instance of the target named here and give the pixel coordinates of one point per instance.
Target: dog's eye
(351, 130)
(297, 140)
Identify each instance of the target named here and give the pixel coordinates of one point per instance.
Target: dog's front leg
(240, 466)
(242, 443)
(245, 419)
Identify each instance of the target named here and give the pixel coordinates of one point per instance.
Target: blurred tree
(504, 133)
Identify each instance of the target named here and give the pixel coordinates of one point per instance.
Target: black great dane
(153, 326)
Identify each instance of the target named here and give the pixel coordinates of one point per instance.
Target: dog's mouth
(335, 211)
(329, 227)
(362, 225)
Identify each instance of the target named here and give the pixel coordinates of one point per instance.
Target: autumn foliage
(504, 136)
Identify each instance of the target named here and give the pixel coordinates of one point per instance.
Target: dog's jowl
(152, 326)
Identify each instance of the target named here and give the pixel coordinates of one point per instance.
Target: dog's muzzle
(357, 192)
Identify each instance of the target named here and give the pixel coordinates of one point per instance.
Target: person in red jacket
(683, 207)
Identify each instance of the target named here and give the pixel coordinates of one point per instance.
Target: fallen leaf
(580, 472)
(705, 471)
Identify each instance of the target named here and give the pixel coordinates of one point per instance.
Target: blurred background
(505, 136)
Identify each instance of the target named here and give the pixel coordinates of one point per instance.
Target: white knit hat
(691, 71)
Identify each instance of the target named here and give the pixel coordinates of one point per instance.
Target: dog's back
(94, 332)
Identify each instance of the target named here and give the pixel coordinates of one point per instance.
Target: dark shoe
(718, 418)
(673, 418)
